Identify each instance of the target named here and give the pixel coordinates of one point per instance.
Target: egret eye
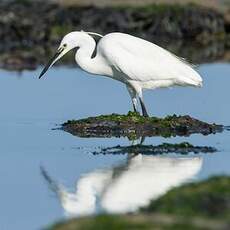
(65, 45)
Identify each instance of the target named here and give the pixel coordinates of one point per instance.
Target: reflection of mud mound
(134, 126)
(182, 148)
(194, 52)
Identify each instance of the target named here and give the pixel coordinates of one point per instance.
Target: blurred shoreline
(31, 30)
(215, 4)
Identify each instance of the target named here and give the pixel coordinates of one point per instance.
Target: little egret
(137, 63)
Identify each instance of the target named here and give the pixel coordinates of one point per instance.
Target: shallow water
(32, 109)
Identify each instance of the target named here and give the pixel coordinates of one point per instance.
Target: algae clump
(210, 198)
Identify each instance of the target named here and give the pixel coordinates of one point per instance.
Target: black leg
(134, 108)
(144, 111)
(133, 95)
(142, 140)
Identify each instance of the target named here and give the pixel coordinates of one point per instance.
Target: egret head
(69, 42)
(72, 40)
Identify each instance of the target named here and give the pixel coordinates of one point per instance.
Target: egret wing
(144, 61)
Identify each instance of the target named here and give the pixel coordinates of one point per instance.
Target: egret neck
(91, 65)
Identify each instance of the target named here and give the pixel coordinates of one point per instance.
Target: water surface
(31, 109)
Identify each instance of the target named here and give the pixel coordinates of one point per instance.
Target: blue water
(31, 109)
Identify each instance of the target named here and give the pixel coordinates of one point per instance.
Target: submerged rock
(134, 126)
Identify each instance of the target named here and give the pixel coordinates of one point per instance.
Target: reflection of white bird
(127, 187)
(137, 63)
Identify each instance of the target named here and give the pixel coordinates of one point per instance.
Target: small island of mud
(134, 126)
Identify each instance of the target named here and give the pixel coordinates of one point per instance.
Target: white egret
(137, 63)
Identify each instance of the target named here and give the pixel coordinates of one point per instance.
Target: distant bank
(216, 4)
(32, 25)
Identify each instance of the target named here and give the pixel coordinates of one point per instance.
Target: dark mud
(165, 148)
(196, 33)
(135, 126)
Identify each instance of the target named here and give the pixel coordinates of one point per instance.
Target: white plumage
(136, 62)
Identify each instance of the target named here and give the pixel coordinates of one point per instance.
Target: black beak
(50, 62)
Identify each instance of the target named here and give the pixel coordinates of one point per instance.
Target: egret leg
(133, 96)
(144, 110)
(142, 140)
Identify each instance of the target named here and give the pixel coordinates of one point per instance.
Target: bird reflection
(127, 186)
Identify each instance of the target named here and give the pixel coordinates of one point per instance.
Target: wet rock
(135, 126)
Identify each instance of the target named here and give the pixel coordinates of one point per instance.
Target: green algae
(133, 117)
(137, 222)
(210, 198)
(118, 222)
